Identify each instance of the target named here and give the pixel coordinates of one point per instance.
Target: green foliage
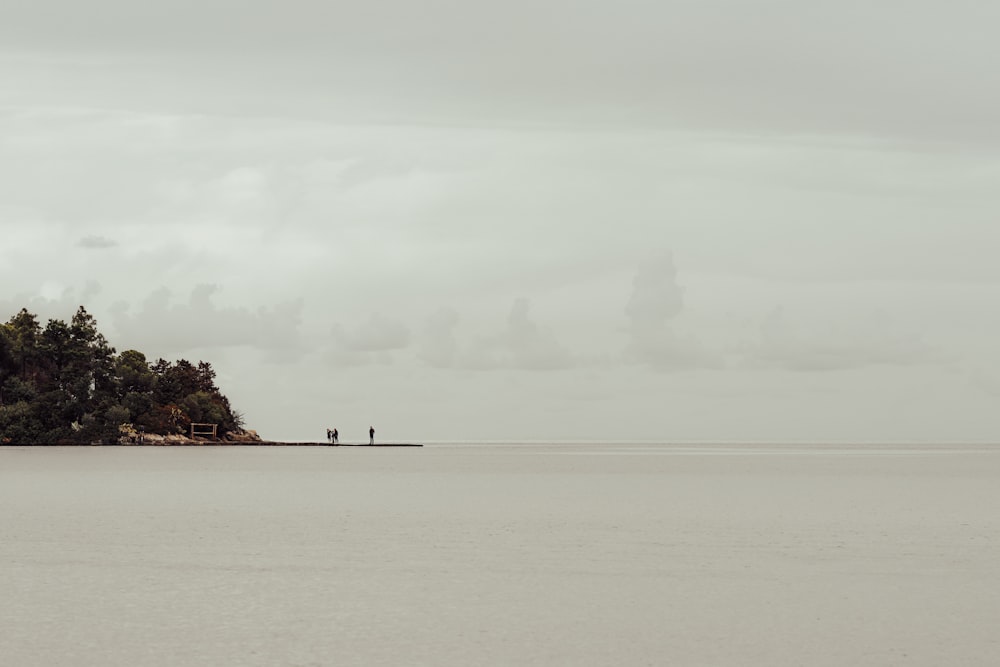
(19, 423)
(16, 389)
(64, 384)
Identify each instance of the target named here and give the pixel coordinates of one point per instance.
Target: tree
(19, 424)
(7, 365)
(23, 332)
(93, 354)
(66, 384)
(133, 373)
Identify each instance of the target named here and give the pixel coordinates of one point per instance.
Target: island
(63, 384)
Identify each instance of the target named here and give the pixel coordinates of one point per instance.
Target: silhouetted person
(336, 436)
(329, 435)
(371, 435)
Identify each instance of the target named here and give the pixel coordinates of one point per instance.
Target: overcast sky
(456, 220)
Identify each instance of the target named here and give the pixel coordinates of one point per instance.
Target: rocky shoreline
(188, 442)
(181, 441)
(244, 439)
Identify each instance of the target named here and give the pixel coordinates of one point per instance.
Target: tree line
(64, 384)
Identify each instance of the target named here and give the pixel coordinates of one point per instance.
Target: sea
(501, 554)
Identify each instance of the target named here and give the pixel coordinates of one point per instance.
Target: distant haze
(631, 220)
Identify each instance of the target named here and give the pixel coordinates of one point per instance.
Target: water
(500, 555)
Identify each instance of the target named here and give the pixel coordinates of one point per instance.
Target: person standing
(371, 435)
(329, 435)
(336, 436)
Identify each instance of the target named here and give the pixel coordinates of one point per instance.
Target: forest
(64, 384)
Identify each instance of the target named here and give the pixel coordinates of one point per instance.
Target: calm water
(500, 555)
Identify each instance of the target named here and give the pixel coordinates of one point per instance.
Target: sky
(671, 221)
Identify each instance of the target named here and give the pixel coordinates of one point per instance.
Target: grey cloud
(530, 346)
(169, 327)
(96, 242)
(374, 341)
(836, 346)
(986, 381)
(522, 345)
(851, 67)
(437, 344)
(249, 182)
(376, 334)
(656, 297)
(342, 358)
(655, 301)
(62, 307)
(361, 171)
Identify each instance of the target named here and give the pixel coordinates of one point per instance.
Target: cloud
(656, 297)
(529, 346)
(522, 345)
(985, 380)
(177, 327)
(376, 334)
(96, 242)
(797, 346)
(656, 300)
(719, 64)
(437, 344)
(371, 341)
(64, 304)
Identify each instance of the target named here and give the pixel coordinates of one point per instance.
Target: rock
(243, 436)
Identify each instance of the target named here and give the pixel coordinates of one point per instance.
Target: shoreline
(226, 443)
(276, 443)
